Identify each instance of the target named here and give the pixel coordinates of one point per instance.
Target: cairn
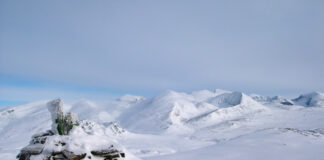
(61, 125)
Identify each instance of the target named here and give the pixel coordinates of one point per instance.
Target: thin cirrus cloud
(144, 47)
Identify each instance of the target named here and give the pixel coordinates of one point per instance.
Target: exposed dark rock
(104, 152)
(315, 133)
(60, 143)
(122, 155)
(71, 156)
(59, 157)
(33, 149)
(38, 140)
(66, 155)
(287, 103)
(23, 156)
(109, 154)
(112, 157)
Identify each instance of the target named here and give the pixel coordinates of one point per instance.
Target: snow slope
(19, 123)
(272, 143)
(199, 125)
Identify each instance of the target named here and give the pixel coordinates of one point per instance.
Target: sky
(103, 49)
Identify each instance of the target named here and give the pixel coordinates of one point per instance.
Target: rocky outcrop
(55, 144)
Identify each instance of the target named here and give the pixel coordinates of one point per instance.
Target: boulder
(23, 156)
(109, 154)
(33, 149)
(72, 156)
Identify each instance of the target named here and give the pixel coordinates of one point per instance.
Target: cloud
(147, 47)
(27, 94)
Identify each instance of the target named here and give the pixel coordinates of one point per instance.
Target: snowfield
(203, 124)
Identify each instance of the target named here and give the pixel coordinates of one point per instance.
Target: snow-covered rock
(86, 140)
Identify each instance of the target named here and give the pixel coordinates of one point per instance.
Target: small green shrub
(60, 126)
(63, 127)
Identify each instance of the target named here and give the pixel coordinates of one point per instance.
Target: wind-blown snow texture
(201, 125)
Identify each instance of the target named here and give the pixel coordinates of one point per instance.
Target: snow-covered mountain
(314, 99)
(177, 112)
(199, 125)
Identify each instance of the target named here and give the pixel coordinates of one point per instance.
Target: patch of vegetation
(64, 126)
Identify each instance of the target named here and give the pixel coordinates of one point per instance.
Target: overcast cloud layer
(144, 47)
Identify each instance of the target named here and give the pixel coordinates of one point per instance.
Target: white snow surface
(174, 126)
